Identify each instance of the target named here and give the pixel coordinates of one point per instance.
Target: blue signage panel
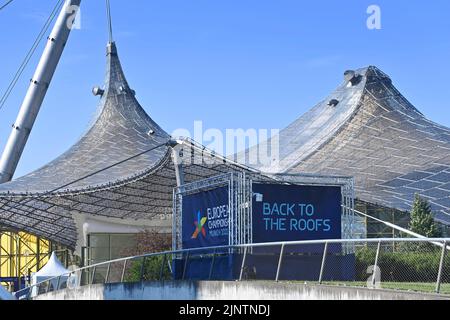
(294, 213)
(205, 219)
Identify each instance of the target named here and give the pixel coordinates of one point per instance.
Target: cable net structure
(126, 166)
(368, 130)
(100, 176)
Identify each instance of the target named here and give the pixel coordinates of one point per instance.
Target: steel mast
(37, 90)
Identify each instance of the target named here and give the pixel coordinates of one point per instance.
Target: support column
(177, 158)
(37, 90)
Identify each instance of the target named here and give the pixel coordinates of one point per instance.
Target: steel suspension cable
(30, 53)
(6, 4)
(27, 200)
(108, 13)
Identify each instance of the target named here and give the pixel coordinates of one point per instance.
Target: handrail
(394, 226)
(435, 241)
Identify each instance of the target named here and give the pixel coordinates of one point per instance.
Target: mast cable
(108, 13)
(6, 4)
(12, 204)
(30, 53)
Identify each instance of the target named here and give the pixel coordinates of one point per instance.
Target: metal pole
(212, 264)
(441, 268)
(108, 11)
(37, 90)
(19, 282)
(58, 283)
(185, 265)
(141, 278)
(243, 264)
(30, 291)
(93, 275)
(108, 270)
(375, 268)
(324, 258)
(280, 260)
(163, 264)
(83, 256)
(178, 161)
(174, 219)
(38, 254)
(122, 278)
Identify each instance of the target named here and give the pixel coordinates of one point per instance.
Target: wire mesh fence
(421, 265)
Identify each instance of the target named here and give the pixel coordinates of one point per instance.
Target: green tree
(422, 221)
(152, 268)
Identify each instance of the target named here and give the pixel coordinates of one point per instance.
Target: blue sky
(230, 63)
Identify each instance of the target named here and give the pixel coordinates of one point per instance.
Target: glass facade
(22, 254)
(105, 247)
(377, 229)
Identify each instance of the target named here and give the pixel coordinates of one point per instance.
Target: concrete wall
(229, 291)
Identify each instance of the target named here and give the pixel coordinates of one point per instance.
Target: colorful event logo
(199, 226)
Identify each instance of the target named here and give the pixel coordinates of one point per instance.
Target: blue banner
(295, 213)
(205, 219)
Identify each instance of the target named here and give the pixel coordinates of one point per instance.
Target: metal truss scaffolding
(368, 130)
(239, 199)
(22, 254)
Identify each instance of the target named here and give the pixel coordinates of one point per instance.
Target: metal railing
(403, 264)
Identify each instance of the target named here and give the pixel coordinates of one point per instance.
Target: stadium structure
(119, 178)
(368, 130)
(116, 181)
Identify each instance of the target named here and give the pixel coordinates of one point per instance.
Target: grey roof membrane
(137, 189)
(373, 133)
(377, 136)
(120, 131)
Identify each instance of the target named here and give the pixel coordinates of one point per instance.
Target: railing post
(324, 258)
(185, 265)
(375, 267)
(163, 264)
(69, 281)
(212, 264)
(280, 260)
(30, 292)
(243, 264)
(78, 278)
(84, 277)
(441, 268)
(83, 256)
(58, 283)
(108, 270)
(141, 277)
(122, 277)
(93, 275)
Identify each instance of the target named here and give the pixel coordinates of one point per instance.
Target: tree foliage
(422, 221)
(153, 242)
(150, 268)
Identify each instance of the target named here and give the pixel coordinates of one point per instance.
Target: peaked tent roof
(375, 135)
(87, 180)
(5, 295)
(53, 268)
(120, 131)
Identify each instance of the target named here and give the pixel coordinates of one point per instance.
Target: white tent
(5, 295)
(53, 268)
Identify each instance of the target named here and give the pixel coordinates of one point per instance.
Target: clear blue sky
(231, 63)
